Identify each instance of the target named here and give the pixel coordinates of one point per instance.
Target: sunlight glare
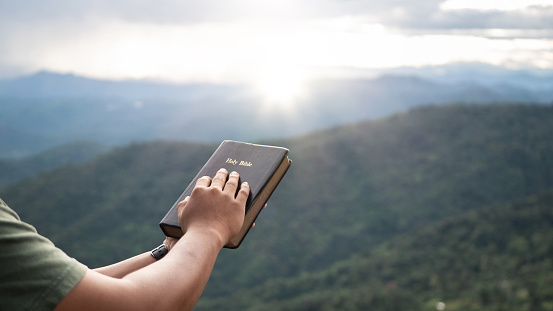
(276, 60)
(280, 86)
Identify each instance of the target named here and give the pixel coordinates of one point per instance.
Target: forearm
(174, 283)
(125, 267)
(182, 274)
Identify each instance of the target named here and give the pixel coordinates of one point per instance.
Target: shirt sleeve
(34, 274)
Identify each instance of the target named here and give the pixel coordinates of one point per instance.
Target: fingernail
(234, 173)
(245, 183)
(222, 170)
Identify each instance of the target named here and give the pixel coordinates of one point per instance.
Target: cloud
(528, 19)
(403, 15)
(227, 39)
(156, 12)
(493, 5)
(396, 13)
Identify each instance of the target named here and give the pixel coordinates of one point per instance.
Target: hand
(171, 241)
(213, 208)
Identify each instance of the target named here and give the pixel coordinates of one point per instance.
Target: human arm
(127, 266)
(212, 216)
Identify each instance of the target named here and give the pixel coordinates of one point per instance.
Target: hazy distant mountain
(46, 84)
(64, 108)
(18, 142)
(486, 74)
(50, 84)
(19, 168)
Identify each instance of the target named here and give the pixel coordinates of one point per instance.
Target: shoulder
(37, 273)
(6, 212)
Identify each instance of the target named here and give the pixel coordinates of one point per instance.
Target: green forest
(440, 207)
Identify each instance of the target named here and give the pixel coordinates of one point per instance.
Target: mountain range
(445, 205)
(47, 109)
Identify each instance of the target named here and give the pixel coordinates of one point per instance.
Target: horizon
(458, 69)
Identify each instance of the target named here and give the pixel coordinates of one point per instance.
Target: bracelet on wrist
(159, 252)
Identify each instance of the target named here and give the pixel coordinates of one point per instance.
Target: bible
(261, 166)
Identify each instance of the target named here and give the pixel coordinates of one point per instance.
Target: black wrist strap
(159, 252)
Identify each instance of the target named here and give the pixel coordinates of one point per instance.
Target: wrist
(208, 235)
(159, 252)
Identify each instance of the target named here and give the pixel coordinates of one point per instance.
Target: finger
(203, 181)
(220, 179)
(232, 183)
(183, 203)
(243, 194)
(180, 206)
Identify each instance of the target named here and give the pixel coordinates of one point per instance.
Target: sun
(280, 86)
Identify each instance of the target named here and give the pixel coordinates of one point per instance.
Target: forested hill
(14, 170)
(405, 211)
(493, 258)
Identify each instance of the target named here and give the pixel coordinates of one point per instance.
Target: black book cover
(261, 166)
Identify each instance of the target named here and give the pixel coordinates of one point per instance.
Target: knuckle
(198, 191)
(213, 190)
(245, 191)
(232, 182)
(218, 178)
(203, 179)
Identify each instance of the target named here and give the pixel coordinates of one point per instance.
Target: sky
(269, 43)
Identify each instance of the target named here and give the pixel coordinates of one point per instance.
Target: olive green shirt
(34, 274)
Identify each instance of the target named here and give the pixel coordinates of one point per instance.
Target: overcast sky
(250, 40)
